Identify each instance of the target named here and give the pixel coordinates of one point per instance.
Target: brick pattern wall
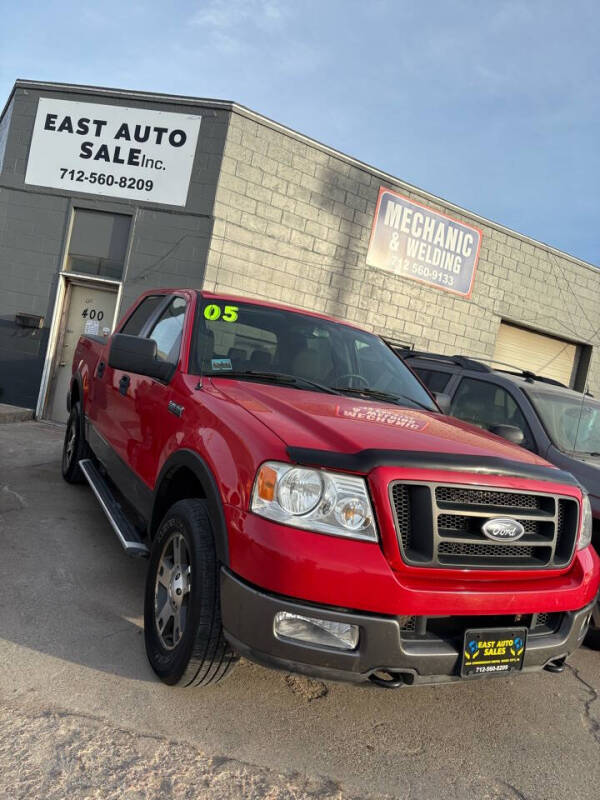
(292, 224)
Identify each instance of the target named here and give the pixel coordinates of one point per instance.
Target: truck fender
(202, 472)
(76, 387)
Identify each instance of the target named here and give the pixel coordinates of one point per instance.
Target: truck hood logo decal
(503, 529)
(385, 416)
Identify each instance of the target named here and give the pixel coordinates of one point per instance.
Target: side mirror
(509, 432)
(443, 400)
(138, 355)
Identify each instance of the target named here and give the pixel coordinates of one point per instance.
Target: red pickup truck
(305, 503)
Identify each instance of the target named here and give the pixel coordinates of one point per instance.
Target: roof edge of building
(233, 106)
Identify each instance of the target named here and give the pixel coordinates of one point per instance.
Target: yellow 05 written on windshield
(226, 313)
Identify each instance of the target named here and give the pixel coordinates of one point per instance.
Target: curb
(14, 414)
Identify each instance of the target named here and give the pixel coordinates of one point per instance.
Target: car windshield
(571, 421)
(253, 342)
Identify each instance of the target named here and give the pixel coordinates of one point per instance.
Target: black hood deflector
(366, 460)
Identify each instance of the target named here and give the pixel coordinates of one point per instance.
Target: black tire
(592, 637)
(75, 447)
(201, 655)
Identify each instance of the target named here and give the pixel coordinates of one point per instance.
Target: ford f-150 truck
(304, 503)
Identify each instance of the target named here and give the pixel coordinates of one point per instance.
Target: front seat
(306, 364)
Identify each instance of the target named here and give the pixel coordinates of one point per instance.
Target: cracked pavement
(82, 715)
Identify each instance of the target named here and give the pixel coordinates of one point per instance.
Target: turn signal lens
(265, 483)
(352, 513)
(585, 535)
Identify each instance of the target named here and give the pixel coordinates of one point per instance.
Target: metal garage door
(544, 355)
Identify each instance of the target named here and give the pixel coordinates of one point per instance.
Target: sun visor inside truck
(366, 460)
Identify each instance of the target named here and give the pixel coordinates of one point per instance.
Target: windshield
(573, 425)
(255, 342)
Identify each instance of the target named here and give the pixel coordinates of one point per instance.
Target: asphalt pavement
(82, 714)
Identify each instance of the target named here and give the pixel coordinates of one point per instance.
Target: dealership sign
(113, 151)
(414, 241)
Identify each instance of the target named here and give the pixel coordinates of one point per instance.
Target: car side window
(168, 330)
(435, 380)
(485, 404)
(142, 314)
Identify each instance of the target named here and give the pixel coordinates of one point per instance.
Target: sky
(490, 104)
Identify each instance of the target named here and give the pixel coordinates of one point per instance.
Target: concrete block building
(106, 193)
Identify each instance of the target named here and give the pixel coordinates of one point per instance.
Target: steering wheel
(351, 375)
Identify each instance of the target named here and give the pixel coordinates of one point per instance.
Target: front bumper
(248, 615)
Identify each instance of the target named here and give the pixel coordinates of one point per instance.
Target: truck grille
(452, 628)
(441, 526)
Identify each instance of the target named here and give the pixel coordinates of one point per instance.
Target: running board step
(126, 533)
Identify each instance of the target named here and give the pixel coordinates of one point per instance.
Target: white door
(544, 355)
(87, 309)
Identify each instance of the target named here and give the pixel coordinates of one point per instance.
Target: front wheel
(182, 610)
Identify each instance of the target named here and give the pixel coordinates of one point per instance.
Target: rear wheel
(182, 611)
(75, 447)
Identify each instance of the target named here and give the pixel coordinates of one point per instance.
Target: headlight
(315, 500)
(299, 490)
(585, 535)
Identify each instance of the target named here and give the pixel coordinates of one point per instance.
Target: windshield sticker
(393, 418)
(220, 364)
(227, 314)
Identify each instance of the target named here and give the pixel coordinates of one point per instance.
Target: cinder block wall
(292, 224)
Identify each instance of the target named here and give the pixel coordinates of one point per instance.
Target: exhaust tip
(388, 679)
(556, 666)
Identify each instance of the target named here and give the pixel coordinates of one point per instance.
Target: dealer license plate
(487, 651)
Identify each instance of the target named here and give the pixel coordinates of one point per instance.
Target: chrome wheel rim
(70, 441)
(172, 591)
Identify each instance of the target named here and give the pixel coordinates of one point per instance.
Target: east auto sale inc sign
(114, 151)
(417, 242)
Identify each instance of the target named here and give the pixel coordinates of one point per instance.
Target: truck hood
(585, 468)
(347, 425)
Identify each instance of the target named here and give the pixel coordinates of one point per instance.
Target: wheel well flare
(180, 483)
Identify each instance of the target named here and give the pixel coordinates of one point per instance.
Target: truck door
(137, 407)
(107, 421)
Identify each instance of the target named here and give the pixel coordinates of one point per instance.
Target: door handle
(124, 384)
(101, 368)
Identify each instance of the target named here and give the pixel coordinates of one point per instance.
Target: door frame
(65, 280)
(66, 276)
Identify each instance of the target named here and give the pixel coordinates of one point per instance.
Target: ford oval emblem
(503, 529)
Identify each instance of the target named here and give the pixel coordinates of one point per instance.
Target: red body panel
(235, 426)
(356, 575)
(346, 424)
